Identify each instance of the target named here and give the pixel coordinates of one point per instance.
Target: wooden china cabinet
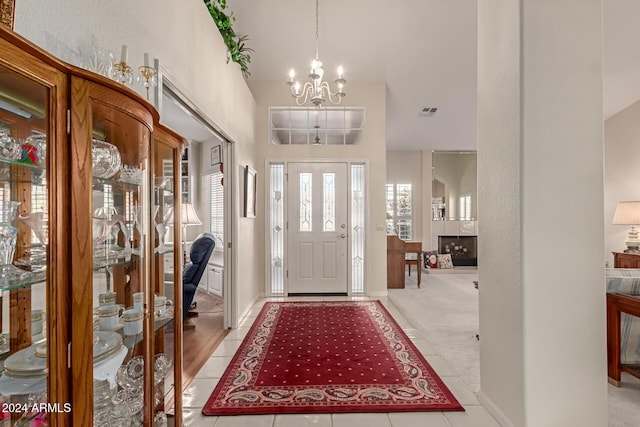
(91, 332)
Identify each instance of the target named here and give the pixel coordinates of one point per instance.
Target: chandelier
(316, 90)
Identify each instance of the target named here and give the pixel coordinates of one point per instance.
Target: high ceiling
(425, 51)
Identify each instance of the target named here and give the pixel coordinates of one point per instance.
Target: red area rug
(323, 357)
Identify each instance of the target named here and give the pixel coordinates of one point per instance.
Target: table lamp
(188, 216)
(628, 213)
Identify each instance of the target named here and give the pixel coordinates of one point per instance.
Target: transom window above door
(316, 126)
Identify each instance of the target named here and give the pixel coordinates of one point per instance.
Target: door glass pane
(306, 188)
(357, 228)
(24, 244)
(164, 288)
(329, 207)
(277, 228)
(122, 297)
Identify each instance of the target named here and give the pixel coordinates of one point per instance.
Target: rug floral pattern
(313, 357)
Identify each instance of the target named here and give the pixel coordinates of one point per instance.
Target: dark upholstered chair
(200, 252)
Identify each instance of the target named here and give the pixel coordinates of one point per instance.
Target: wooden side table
(626, 260)
(616, 304)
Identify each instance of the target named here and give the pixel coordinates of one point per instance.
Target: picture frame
(216, 157)
(250, 180)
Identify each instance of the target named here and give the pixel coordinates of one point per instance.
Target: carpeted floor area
(298, 357)
(445, 310)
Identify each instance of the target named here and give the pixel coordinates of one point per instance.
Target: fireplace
(463, 249)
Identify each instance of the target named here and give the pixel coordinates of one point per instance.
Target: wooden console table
(396, 249)
(616, 304)
(626, 260)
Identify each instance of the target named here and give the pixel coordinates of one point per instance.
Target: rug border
(453, 406)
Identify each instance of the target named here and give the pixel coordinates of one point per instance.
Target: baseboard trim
(494, 410)
(378, 294)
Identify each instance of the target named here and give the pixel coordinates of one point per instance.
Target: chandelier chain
(317, 26)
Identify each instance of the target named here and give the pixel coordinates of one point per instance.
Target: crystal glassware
(162, 227)
(39, 223)
(106, 159)
(136, 211)
(131, 175)
(104, 218)
(39, 141)
(8, 233)
(97, 59)
(10, 148)
(161, 367)
(127, 230)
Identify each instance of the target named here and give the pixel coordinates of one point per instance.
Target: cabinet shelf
(33, 278)
(130, 341)
(99, 183)
(109, 258)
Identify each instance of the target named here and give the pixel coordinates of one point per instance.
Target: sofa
(622, 280)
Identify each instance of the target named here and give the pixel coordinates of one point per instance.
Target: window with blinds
(216, 208)
(465, 207)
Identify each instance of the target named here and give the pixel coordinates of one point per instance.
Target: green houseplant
(238, 51)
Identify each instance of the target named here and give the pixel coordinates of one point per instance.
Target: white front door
(317, 228)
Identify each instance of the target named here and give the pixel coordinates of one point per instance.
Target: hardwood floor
(201, 342)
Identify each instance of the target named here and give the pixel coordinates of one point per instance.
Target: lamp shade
(627, 213)
(188, 215)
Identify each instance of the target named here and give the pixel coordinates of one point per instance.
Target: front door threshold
(317, 294)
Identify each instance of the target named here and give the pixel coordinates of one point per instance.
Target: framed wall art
(249, 192)
(216, 157)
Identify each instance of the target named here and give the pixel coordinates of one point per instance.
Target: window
(216, 208)
(400, 209)
(358, 207)
(276, 227)
(314, 126)
(465, 207)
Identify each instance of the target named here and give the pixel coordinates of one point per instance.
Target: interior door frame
(267, 215)
(229, 287)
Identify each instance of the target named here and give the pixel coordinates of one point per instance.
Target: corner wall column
(540, 185)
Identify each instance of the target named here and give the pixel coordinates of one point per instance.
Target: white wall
(184, 37)
(542, 359)
(370, 95)
(458, 171)
(622, 173)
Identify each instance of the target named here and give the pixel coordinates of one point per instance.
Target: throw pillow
(431, 259)
(444, 261)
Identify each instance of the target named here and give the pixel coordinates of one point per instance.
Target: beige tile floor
(198, 392)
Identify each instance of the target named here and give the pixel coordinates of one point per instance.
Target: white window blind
(465, 208)
(216, 208)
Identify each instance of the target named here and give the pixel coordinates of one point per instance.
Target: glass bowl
(10, 148)
(106, 159)
(131, 175)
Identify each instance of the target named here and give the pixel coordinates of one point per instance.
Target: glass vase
(8, 272)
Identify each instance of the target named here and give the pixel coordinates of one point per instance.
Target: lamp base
(632, 250)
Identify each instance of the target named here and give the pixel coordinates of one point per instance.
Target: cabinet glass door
(24, 249)
(122, 298)
(167, 357)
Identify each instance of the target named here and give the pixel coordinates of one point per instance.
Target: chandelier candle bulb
(123, 54)
(292, 74)
(146, 59)
(340, 71)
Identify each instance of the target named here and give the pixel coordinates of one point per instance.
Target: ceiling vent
(427, 111)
